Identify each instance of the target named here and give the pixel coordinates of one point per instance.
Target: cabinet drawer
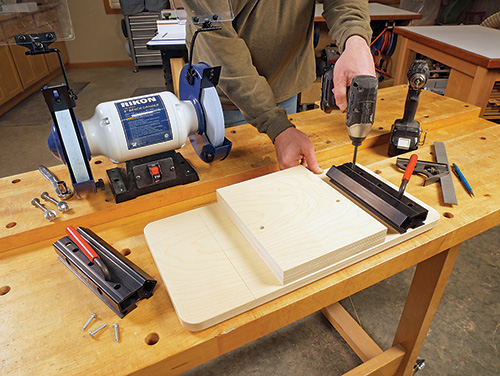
(145, 17)
(144, 33)
(30, 68)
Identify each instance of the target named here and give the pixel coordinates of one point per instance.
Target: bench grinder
(143, 131)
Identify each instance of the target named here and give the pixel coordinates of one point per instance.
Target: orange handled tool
(407, 175)
(88, 251)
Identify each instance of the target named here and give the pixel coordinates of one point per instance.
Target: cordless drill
(361, 101)
(405, 132)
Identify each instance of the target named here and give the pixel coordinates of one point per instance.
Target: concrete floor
(464, 338)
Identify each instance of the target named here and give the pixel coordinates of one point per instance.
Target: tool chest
(139, 29)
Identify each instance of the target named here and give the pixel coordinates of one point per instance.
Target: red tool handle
(411, 166)
(82, 243)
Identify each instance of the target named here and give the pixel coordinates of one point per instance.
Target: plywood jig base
(217, 262)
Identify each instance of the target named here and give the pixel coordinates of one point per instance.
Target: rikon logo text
(136, 102)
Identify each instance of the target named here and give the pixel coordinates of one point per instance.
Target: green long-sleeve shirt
(266, 52)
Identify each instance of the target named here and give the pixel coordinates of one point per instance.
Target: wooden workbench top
(45, 306)
(252, 155)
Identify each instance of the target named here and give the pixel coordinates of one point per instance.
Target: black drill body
(361, 102)
(405, 132)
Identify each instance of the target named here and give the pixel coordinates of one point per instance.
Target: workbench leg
(423, 299)
(404, 61)
(362, 344)
(482, 85)
(176, 65)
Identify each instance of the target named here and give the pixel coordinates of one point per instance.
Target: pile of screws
(50, 214)
(94, 332)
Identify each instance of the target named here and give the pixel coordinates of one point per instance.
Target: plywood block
(297, 223)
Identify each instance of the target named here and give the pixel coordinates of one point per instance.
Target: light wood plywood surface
(297, 223)
(213, 273)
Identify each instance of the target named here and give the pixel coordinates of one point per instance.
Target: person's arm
(240, 81)
(251, 93)
(349, 25)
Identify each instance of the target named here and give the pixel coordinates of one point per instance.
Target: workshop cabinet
(10, 84)
(53, 61)
(21, 74)
(30, 68)
(140, 29)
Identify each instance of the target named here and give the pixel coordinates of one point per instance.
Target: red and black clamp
(88, 251)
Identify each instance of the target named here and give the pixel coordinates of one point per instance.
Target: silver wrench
(62, 191)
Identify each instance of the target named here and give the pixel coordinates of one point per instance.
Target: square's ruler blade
(449, 195)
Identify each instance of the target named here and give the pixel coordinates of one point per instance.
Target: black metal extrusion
(378, 197)
(128, 284)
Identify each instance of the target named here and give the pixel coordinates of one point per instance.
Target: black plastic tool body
(406, 132)
(378, 197)
(128, 284)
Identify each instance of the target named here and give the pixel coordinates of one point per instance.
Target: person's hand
(355, 60)
(293, 147)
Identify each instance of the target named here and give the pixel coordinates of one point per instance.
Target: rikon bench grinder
(143, 131)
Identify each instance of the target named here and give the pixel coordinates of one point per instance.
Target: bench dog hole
(4, 290)
(126, 251)
(152, 339)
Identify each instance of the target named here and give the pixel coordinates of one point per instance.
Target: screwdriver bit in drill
(355, 156)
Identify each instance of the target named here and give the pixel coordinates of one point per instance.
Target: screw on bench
(117, 337)
(48, 213)
(62, 206)
(88, 321)
(95, 331)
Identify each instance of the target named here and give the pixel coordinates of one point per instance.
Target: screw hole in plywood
(378, 172)
(482, 138)
(152, 339)
(15, 181)
(4, 290)
(487, 195)
(10, 224)
(126, 251)
(381, 128)
(448, 215)
(98, 161)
